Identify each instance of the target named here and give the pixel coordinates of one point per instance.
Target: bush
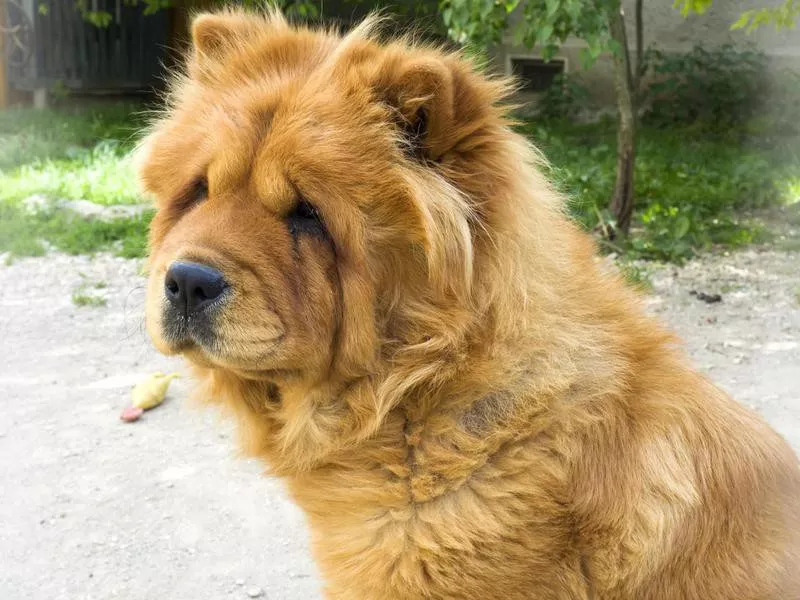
(692, 191)
(723, 90)
(563, 100)
(718, 88)
(780, 111)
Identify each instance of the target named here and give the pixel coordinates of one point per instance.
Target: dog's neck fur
(465, 404)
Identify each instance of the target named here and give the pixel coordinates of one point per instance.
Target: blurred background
(672, 129)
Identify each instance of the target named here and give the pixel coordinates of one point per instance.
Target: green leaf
(447, 16)
(743, 20)
(99, 18)
(586, 58)
(682, 227)
(689, 6)
(544, 34)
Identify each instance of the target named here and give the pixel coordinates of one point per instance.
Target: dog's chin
(256, 368)
(277, 376)
(167, 347)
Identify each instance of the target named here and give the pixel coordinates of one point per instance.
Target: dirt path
(94, 508)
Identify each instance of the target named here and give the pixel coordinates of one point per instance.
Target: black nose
(191, 287)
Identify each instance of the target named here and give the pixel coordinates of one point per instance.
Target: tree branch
(618, 33)
(639, 47)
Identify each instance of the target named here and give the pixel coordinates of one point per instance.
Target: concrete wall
(668, 30)
(666, 27)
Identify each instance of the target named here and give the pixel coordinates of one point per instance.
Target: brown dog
(363, 263)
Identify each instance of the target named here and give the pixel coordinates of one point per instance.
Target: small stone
(131, 413)
(90, 211)
(36, 204)
(783, 346)
(240, 582)
(734, 344)
(255, 592)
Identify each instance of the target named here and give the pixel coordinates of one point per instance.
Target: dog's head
(307, 184)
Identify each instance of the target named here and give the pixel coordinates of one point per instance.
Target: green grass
(101, 174)
(22, 234)
(82, 153)
(636, 276)
(693, 190)
(29, 134)
(793, 186)
(86, 294)
(73, 154)
(727, 288)
(788, 245)
(84, 299)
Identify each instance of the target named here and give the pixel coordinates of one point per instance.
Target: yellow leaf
(150, 392)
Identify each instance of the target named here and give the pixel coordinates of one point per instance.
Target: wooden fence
(64, 49)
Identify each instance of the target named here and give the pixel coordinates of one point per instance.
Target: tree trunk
(3, 81)
(622, 199)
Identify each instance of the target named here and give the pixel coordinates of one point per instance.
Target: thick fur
(464, 404)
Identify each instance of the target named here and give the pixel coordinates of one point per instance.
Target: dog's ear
(215, 35)
(438, 101)
(420, 94)
(212, 34)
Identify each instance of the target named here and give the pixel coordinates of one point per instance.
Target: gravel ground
(94, 508)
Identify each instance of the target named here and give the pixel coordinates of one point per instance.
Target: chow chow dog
(364, 264)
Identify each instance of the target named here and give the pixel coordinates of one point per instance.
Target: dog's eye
(194, 194)
(304, 218)
(199, 191)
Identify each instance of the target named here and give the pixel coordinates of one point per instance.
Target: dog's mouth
(198, 317)
(205, 343)
(184, 331)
